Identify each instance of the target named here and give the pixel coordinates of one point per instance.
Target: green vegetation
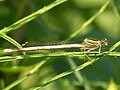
(59, 20)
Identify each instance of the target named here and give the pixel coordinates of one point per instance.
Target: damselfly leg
(92, 44)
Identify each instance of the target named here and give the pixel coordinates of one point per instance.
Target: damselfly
(87, 45)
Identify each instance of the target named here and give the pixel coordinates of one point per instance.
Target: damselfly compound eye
(105, 41)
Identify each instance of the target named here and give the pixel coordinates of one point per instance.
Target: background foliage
(59, 24)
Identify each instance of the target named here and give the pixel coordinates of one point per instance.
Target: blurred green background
(57, 25)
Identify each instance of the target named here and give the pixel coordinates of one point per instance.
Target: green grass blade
(115, 46)
(116, 11)
(56, 54)
(3, 35)
(114, 54)
(26, 76)
(78, 75)
(64, 74)
(34, 15)
(89, 21)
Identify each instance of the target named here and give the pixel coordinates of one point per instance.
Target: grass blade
(65, 74)
(115, 46)
(25, 77)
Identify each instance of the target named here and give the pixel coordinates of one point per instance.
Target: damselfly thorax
(96, 42)
(92, 44)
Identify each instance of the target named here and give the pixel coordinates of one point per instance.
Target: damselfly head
(105, 41)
